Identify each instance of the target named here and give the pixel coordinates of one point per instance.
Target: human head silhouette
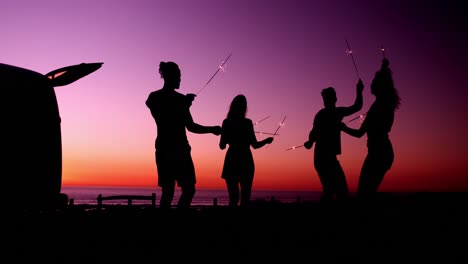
(170, 72)
(382, 86)
(329, 97)
(238, 108)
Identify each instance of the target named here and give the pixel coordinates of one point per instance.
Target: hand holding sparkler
(265, 141)
(190, 97)
(262, 143)
(268, 140)
(308, 144)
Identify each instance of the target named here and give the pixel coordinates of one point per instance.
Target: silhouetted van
(32, 175)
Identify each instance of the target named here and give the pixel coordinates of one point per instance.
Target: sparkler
(263, 133)
(350, 52)
(360, 117)
(266, 133)
(382, 50)
(220, 67)
(295, 147)
(280, 125)
(263, 119)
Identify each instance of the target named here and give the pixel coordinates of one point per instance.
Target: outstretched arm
(259, 144)
(223, 138)
(199, 129)
(190, 97)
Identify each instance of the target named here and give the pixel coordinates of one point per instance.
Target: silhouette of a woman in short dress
(239, 167)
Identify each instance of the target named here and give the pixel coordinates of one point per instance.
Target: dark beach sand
(414, 228)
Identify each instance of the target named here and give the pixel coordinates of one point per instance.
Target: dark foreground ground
(415, 228)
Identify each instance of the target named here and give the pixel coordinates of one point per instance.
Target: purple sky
(284, 53)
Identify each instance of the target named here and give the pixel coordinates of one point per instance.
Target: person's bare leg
(185, 200)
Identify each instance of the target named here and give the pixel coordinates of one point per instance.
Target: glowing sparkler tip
(295, 147)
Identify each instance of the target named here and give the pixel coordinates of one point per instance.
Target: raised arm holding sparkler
(377, 125)
(382, 50)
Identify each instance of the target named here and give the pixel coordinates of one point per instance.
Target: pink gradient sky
(284, 54)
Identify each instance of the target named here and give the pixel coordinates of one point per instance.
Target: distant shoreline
(87, 196)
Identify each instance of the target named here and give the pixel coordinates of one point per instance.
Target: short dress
(238, 162)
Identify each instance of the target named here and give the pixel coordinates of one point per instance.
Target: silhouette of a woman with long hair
(377, 125)
(238, 170)
(171, 112)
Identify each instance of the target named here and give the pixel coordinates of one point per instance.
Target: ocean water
(203, 197)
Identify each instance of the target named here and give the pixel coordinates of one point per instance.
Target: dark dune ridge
(415, 227)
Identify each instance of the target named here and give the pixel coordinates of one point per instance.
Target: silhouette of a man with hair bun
(171, 112)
